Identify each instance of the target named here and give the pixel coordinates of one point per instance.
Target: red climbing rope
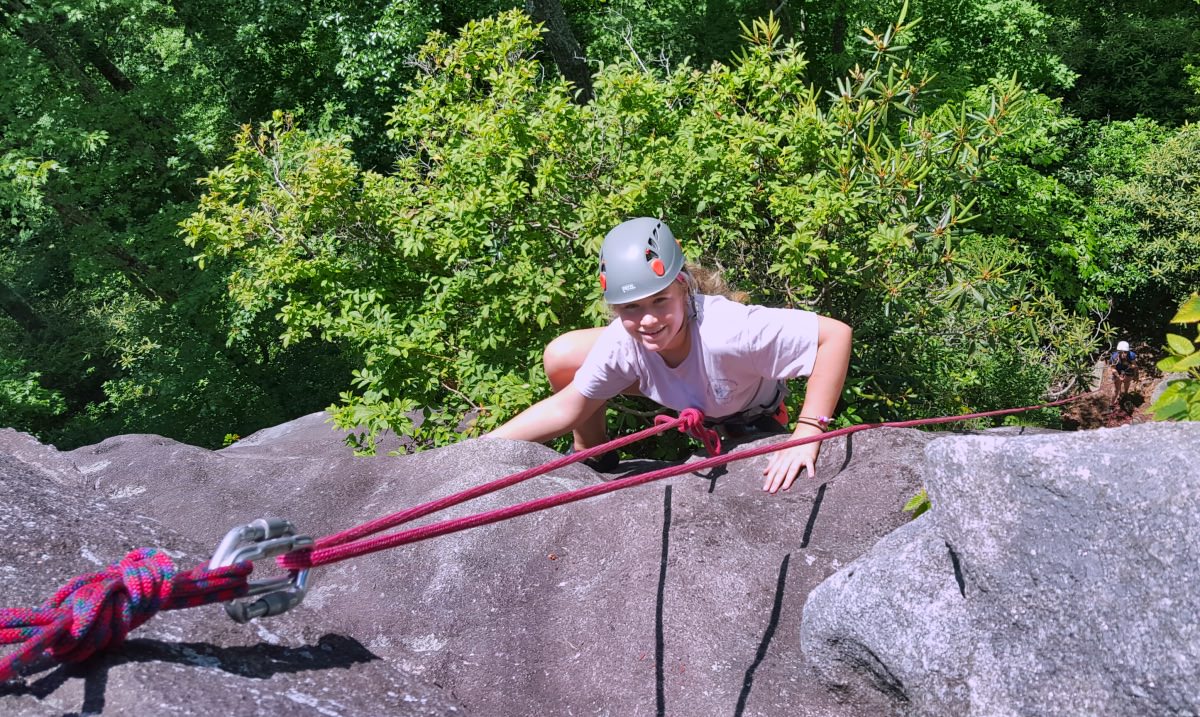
(351, 543)
(690, 421)
(97, 611)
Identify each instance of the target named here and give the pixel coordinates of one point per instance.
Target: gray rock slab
(680, 597)
(1054, 575)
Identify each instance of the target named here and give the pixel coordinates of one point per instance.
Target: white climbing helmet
(1122, 345)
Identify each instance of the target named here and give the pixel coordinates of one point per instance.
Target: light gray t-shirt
(738, 356)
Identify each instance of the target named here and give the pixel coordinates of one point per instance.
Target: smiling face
(659, 322)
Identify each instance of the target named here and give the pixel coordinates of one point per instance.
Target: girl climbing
(683, 347)
(1124, 370)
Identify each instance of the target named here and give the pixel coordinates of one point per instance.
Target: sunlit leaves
(1180, 401)
(449, 273)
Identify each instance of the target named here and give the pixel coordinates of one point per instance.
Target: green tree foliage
(108, 115)
(1141, 239)
(22, 398)
(1132, 58)
(963, 42)
(663, 33)
(451, 273)
(111, 112)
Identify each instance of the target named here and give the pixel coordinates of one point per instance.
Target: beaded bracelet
(821, 422)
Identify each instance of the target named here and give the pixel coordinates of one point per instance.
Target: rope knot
(97, 610)
(691, 422)
(106, 605)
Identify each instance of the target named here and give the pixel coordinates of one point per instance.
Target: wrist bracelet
(821, 422)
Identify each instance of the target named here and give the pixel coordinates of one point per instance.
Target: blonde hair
(702, 280)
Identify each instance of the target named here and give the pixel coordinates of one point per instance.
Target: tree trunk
(19, 309)
(563, 46)
(140, 275)
(40, 37)
(96, 57)
(837, 42)
(36, 36)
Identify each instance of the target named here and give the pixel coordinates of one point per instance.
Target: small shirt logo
(723, 388)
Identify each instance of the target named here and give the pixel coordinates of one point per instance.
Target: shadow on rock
(261, 661)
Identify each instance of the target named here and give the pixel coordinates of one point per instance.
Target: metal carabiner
(264, 538)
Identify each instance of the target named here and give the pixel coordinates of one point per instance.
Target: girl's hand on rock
(784, 466)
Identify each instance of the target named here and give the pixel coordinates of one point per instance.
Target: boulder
(678, 597)
(1053, 575)
(1160, 385)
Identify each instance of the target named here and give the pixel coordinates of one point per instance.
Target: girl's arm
(820, 399)
(551, 417)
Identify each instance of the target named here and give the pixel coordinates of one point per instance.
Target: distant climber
(1123, 367)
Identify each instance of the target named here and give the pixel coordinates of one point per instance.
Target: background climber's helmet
(638, 258)
(1122, 345)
